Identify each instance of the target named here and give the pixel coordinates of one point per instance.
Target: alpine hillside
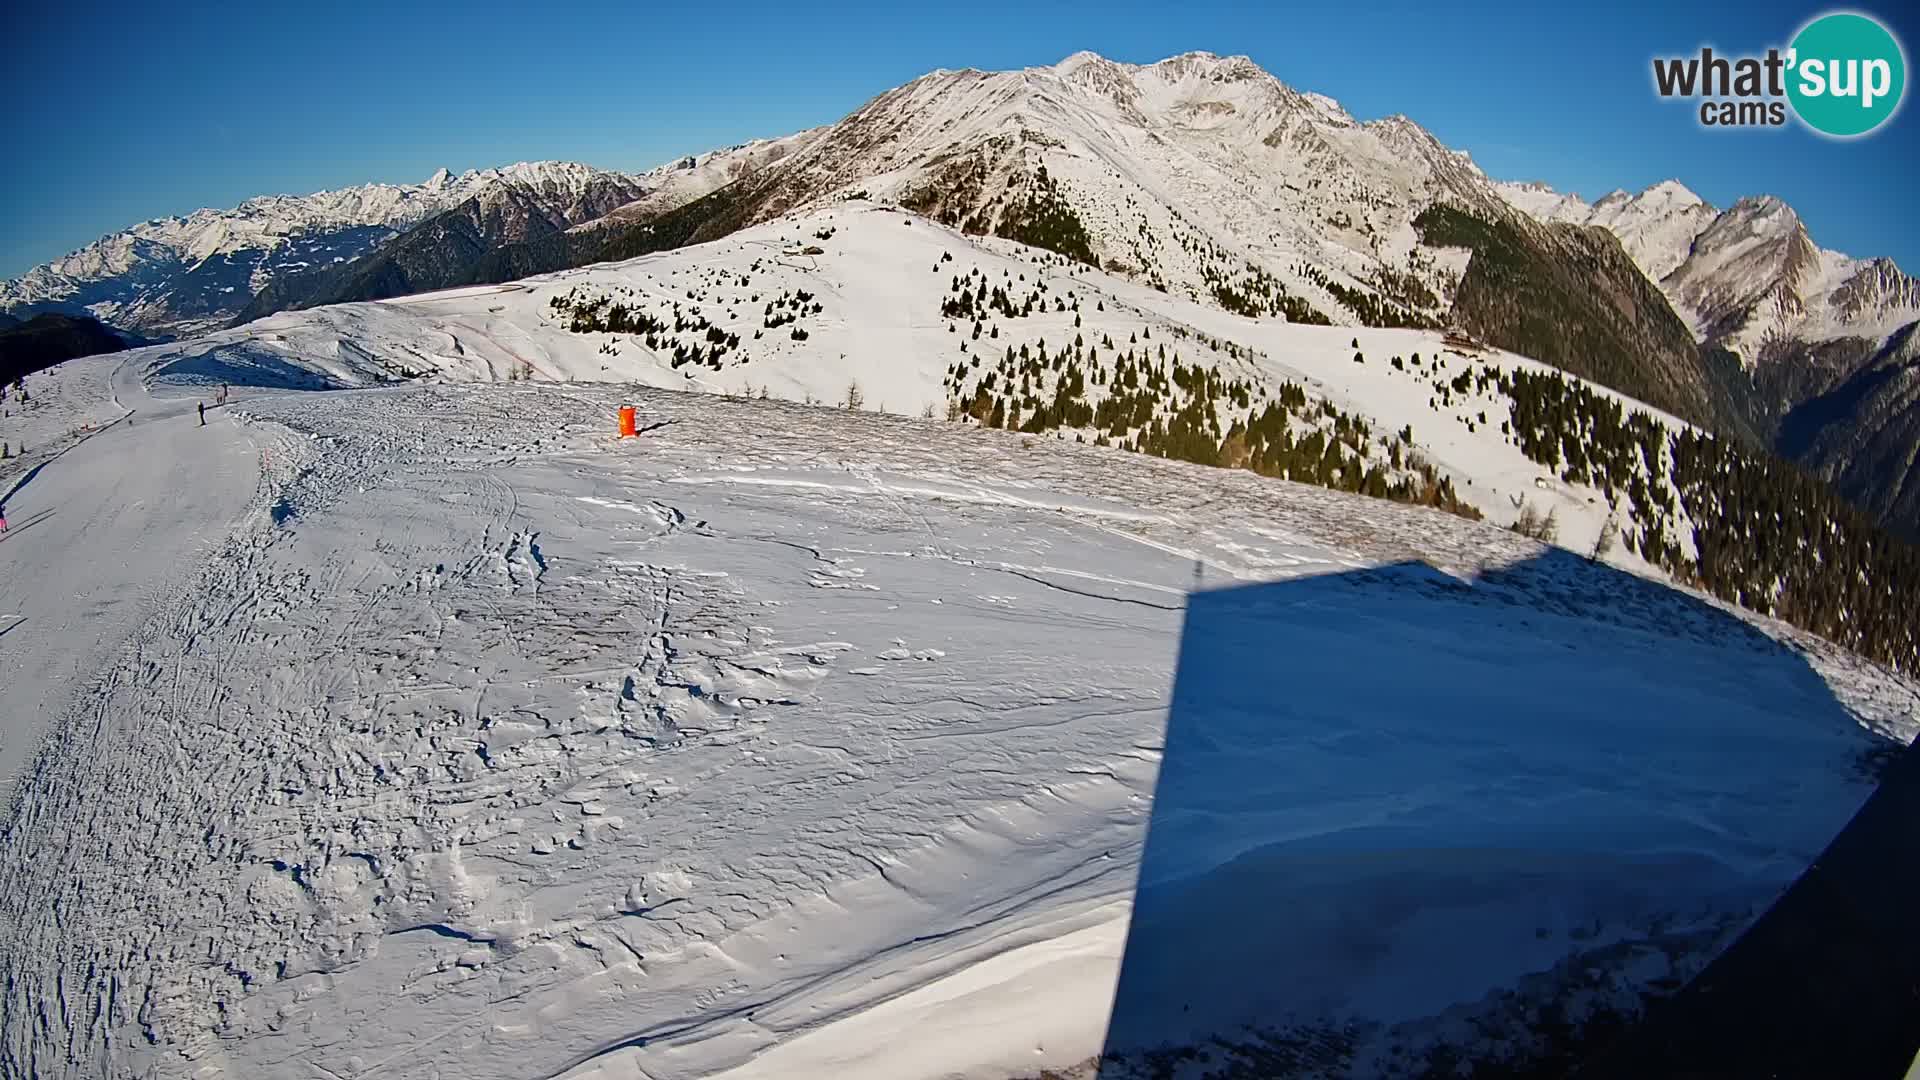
(792, 742)
(1816, 347)
(1208, 178)
(869, 307)
(48, 339)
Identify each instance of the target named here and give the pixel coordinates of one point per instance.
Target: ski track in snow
(101, 526)
(485, 743)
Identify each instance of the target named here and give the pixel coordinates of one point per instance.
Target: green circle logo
(1847, 74)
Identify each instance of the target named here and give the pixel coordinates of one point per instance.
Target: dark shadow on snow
(1826, 984)
(25, 479)
(1407, 825)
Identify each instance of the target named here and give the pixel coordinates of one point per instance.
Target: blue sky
(126, 111)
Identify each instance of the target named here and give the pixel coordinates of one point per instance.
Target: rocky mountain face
(1571, 296)
(680, 182)
(1195, 172)
(1748, 278)
(1854, 419)
(1813, 350)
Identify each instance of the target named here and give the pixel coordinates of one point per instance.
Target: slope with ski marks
(760, 731)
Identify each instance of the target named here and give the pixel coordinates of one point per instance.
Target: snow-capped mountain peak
(1081, 59)
(1330, 109)
(1201, 172)
(1673, 193)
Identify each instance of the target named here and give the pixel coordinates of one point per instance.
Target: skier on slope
(3, 519)
(203, 413)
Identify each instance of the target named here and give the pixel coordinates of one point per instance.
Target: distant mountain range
(181, 275)
(176, 277)
(185, 275)
(1200, 175)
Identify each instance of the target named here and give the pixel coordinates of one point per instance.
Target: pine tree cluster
(970, 298)
(1765, 535)
(1370, 309)
(1256, 294)
(1045, 219)
(689, 336)
(1142, 398)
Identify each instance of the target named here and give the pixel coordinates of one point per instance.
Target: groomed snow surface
(444, 734)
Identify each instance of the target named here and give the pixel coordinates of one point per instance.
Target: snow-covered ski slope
(110, 505)
(799, 742)
(873, 316)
